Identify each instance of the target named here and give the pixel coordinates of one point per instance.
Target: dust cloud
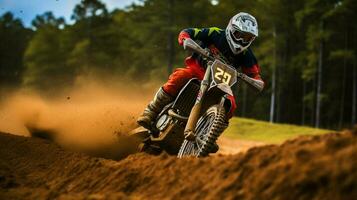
(88, 117)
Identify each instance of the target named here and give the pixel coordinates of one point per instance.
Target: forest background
(306, 50)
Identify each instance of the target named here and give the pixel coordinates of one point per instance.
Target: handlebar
(257, 84)
(189, 44)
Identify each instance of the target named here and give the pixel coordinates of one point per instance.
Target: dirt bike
(191, 124)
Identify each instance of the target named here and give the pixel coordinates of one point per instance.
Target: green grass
(250, 129)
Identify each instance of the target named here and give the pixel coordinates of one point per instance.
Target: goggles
(244, 37)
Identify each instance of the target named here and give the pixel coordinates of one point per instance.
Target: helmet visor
(244, 37)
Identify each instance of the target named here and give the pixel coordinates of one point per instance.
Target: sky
(26, 10)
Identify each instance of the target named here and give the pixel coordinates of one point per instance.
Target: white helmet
(241, 31)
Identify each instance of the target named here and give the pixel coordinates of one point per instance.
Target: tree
(14, 38)
(45, 58)
(314, 17)
(89, 9)
(47, 19)
(92, 42)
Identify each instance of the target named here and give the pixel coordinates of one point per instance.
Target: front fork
(189, 131)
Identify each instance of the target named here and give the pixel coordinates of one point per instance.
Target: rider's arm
(253, 71)
(250, 65)
(205, 35)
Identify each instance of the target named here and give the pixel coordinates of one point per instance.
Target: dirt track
(229, 146)
(320, 167)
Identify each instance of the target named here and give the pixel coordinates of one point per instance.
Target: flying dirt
(87, 118)
(314, 167)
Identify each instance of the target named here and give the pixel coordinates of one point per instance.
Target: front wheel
(208, 128)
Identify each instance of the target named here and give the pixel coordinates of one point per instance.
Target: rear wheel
(209, 127)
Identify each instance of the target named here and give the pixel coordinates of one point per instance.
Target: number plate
(222, 73)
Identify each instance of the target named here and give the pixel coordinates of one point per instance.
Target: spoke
(205, 124)
(194, 148)
(199, 142)
(191, 147)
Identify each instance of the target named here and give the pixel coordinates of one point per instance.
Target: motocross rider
(231, 44)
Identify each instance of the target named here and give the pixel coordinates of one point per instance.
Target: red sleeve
(253, 72)
(182, 36)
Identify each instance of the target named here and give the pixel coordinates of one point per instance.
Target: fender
(218, 94)
(225, 88)
(219, 90)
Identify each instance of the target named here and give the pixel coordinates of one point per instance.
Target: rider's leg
(153, 109)
(168, 92)
(180, 77)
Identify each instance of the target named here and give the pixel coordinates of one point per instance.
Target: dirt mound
(319, 167)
